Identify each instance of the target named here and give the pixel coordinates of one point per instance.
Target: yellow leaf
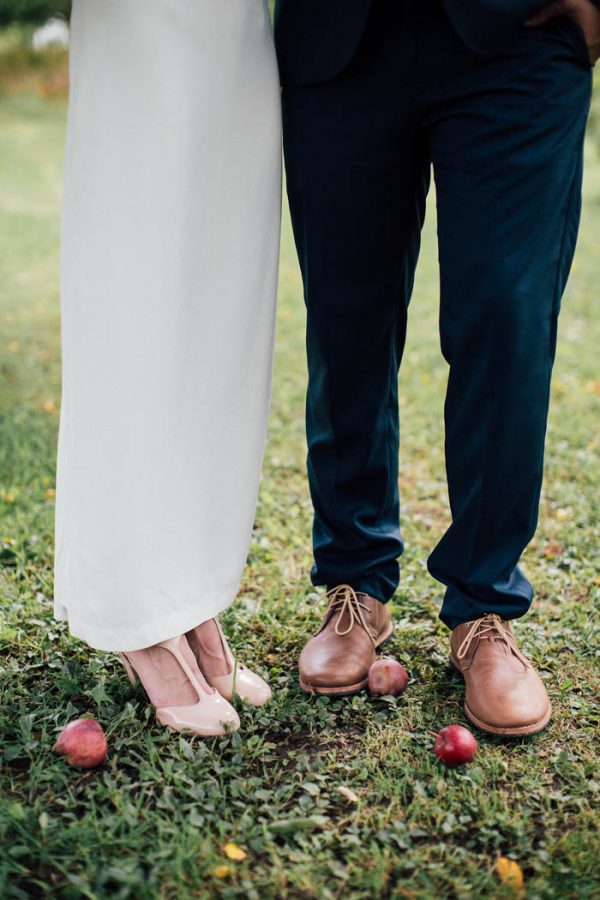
(509, 872)
(232, 851)
(49, 406)
(13, 346)
(50, 494)
(222, 872)
(562, 515)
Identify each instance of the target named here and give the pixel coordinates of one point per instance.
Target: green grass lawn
(154, 820)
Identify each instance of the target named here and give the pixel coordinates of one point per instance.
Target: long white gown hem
(163, 627)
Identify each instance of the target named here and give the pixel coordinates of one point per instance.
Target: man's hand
(584, 12)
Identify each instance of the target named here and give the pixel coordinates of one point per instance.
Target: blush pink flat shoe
(176, 687)
(239, 680)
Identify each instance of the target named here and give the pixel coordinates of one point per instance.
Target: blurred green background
(32, 10)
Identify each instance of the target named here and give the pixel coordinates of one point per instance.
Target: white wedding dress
(169, 273)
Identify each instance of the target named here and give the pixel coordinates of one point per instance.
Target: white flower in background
(55, 33)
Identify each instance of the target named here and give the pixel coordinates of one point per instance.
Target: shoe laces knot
(345, 601)
(491, 626)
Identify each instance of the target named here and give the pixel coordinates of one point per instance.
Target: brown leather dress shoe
(504, 693)
(337, 659)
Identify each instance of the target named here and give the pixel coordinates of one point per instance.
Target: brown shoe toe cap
(524, 708)
(323, 670)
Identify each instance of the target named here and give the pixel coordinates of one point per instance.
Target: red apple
(387, 676)
(455, 745)
(83, 743)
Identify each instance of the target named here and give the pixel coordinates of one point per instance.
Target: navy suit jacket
(316, 39)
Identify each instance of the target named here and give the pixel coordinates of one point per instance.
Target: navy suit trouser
(503, 133)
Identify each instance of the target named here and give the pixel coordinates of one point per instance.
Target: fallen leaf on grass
(232, 851)
(348, 794)
(552, 549)
(222, 872)
(509, 872)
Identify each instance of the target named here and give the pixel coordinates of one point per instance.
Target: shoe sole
(522, 731)
(346, 690)
(166, 722)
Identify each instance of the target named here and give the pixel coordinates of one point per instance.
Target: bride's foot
(178, 690)
(221, 670)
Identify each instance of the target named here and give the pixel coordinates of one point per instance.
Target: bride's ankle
(209, 648)
(163, 679)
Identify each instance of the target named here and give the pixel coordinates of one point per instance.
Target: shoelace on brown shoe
(489, 626)
(345, 599)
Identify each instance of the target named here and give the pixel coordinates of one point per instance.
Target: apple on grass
(387, 677)
(83, 743)
(455, 745)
